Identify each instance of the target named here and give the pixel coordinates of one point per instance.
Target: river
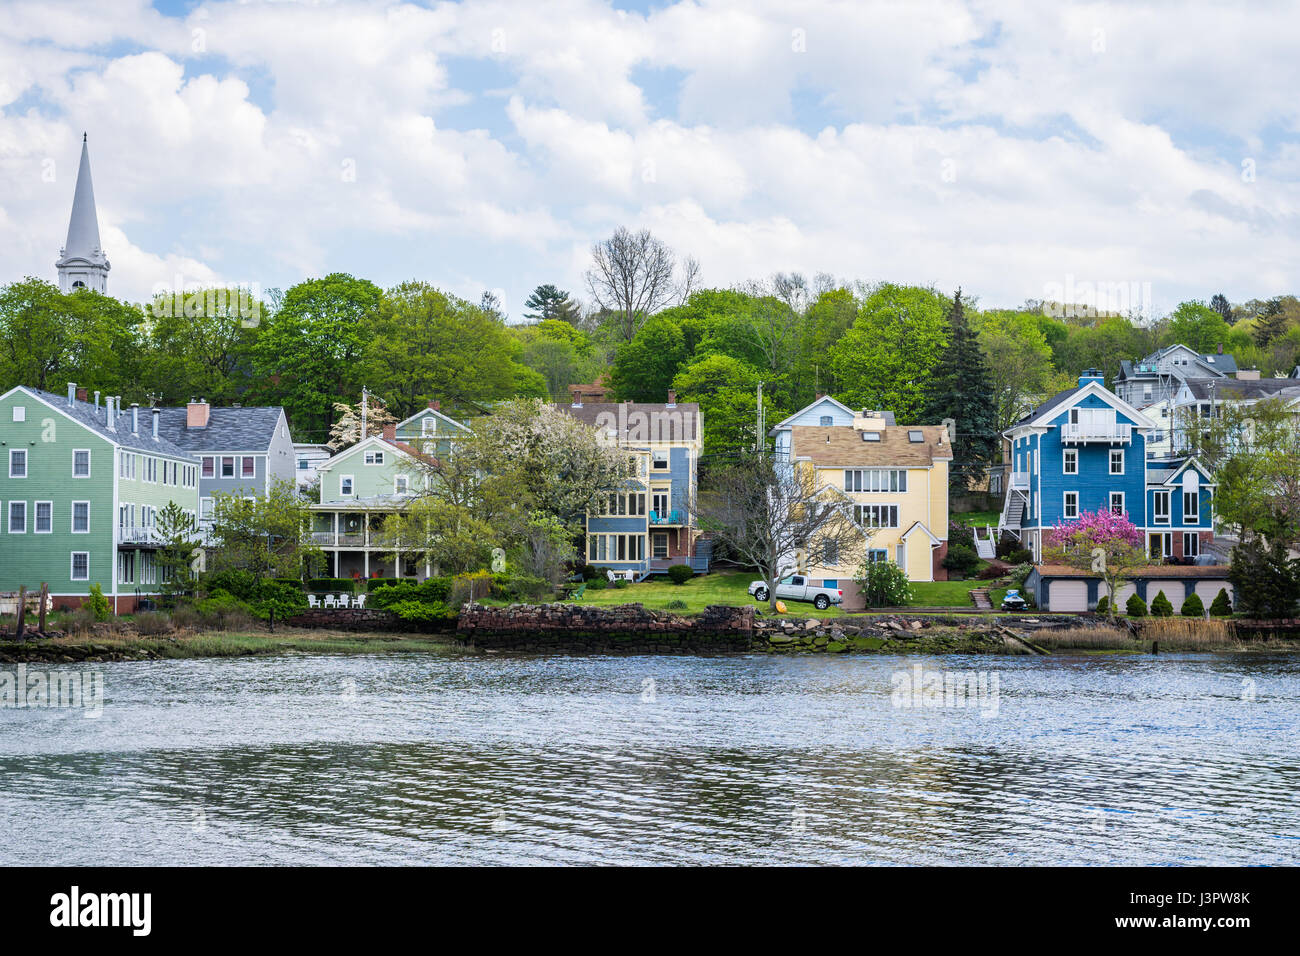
(463, 758)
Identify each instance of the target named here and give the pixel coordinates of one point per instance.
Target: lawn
(703, 589)
(978, 519)
(944, 593)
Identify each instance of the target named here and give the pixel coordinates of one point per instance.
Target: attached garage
(1067, 596)
(1207, 591)
(1174, 591)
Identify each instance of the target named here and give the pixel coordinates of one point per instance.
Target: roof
(95, 419)
(83, 225)
(228, 429)
(1157, 571)
(837, 446)
(1243, 388)
(1064, 399)
(641, 421)
(437, 413)
(1224, 362)
(1056, 400)
(785, 422)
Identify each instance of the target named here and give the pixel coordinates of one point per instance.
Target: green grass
(700, 591)
(977, 519)
(944, 593)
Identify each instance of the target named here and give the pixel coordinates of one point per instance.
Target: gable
(812, 414)
(1091, 396)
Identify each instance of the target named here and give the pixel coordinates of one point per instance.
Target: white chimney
(155, 410)
(135, 418)
(72, 393)
(108, 413)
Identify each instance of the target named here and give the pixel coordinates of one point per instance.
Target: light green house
(81, 486)
(358, 487)
(430, 431)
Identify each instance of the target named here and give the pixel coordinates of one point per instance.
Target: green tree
(177, 552)
(883, 361)
(1019, 362)
(548, 302)
(1197, 326)
(201, 344)
(1266, 580)
(1271, 322)
(960, 388)
(726, 390)
(645, 367)
(264, 535)
(444, 535)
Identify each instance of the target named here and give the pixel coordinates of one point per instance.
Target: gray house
(240, 450)
(1158, 376)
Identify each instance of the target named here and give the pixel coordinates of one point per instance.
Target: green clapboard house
(81, 485)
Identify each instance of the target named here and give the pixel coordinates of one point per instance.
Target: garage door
(1067, 596)
(1122, 595)
(1207, 591)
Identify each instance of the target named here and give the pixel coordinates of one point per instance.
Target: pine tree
(1135, 606)
(548, 302)
(1221, 305)
(1161, 607)
(1271, 323)
(1222, 604)
(959, 388)
(1193, 606)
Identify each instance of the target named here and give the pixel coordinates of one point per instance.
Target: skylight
(915, 435)
(871, 436)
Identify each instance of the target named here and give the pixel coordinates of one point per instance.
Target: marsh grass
(1172, 633)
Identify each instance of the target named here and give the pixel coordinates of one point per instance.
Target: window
(151, 470)
(1070, 463)
(248, 468)
(875, 479)
(660, 460)
(1071, 504)
(1191, 507)
(44, 517)
(345, 484)
(17, 463)
(302, 464)
(1160, 545)
(1117, 502)
(228, 466)
(17, 517)
(374, 458)
(20, 413)
(616, 547)
(876, 555)
(659, 545)
(126, 567)
(81, 517)
(830, 552)
(205, 509)
(825, 421)
(1160, 507)
(915, 436)
(871, 436)
(876, 516)
(400, 484)
(1117, 461)
(209, 467)
(1191, 544)
(428, 425)
(81, 565)
(81, 463)
(659, 503)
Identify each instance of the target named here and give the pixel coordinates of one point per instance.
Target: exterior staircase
(985, 547)
(1013, 513)
(699, 562)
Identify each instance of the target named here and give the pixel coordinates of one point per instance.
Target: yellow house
(895, 479)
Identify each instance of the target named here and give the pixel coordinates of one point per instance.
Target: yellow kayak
(780, 607)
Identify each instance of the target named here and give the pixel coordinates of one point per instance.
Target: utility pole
(363, 414)
(760, 428)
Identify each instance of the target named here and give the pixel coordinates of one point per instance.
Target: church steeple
(82, 263)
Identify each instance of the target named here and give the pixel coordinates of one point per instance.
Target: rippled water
(474, 759)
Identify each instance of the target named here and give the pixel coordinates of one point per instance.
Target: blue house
(1086, 449)
(648, 523)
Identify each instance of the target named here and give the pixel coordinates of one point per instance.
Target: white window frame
(231, 459)
(1066, 502)
(1155, 508)
(1069, 456)
(9, 517)
(251, 461)
(20, 413)
(374, 457)
(1111, 458)
(1195, 538)
(75, 453)
(1195, 516)
(125, 562)
(27, 463)
(209, 460)
(660, 455)
(72, 566)
(1110, 502)
(207, 504)
(72, 518)
(36, 517)
(401, 485)
(351, 482)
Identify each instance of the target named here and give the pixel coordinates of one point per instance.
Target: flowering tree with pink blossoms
(1101, 541)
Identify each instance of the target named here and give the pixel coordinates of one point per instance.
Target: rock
(812, 624)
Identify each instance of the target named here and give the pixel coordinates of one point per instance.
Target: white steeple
(82, 263)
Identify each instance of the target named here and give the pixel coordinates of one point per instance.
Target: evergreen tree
(1271, 323)
(1265, 579)
(1222, 606)
(548, 302)
(1220, 304)
(961, 389)
(1161, 606)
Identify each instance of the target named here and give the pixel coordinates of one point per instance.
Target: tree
(347, 430)
(726, 391)
(632, 277)
(1266, 580)
(308, 355)
(440, 533)
(1019, 363)
(177, 552)
(1197, 326)
(548, 302)
(263, 535)
(1271, 322)
(768, 514)
(1099, 541)
(1219, 303)
(644, 367)
(202, 344)
(960, 388)
(546, 547)
(884, 360)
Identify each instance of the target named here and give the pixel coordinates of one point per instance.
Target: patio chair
(312, 601)
(359, 601)
(654, 517)
(577, 595)
(675, 517)
(330, 602)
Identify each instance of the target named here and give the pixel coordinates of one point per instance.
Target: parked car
(1014, 601)
(795, 587)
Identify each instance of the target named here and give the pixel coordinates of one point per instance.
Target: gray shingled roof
(652, 418)
(228, 429)
(96, 420)
(1243, 388)
(1225, 362)
(1056, 400)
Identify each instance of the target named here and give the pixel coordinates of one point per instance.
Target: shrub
(185, 615)
(597, 584)
(1221, 606)
(1135, 607)
(78, 621)
(1193, 606)
(961, 558)
(991, 571)
(680, 573)
(1008, 545)
(295, 582)
(622, 583)
(153, 622)
(1019, 574)
(591, 572)
(478, 584)
(97, 604)
(374, 584)
(237, 581)
(1103, 604)
(884, 584)
(521, 587)
(1161, 607)
(434, 589)
(221, 609)
(276, 598)
(419, 612)
(960, 535)
(1020, 556)
(676, 604)
(325, 585)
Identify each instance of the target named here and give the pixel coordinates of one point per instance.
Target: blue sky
(486, 145)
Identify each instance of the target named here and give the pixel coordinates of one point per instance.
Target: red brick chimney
(196, 414)
(390, 433)
(672, 397)
(435, 405)
(82, 395)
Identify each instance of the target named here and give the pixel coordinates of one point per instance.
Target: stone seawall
(624, 628)
(359, 619)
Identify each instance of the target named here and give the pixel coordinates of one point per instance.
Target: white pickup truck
(795, 587)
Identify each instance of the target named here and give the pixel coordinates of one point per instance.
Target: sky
(1017, 150)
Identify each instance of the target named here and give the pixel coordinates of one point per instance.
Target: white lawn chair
(312, 601)
(330, 602)
(359, 601)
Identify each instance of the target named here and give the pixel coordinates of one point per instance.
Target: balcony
(1107, 432)
(667, 519)
(1020, 479)
(139, 537)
